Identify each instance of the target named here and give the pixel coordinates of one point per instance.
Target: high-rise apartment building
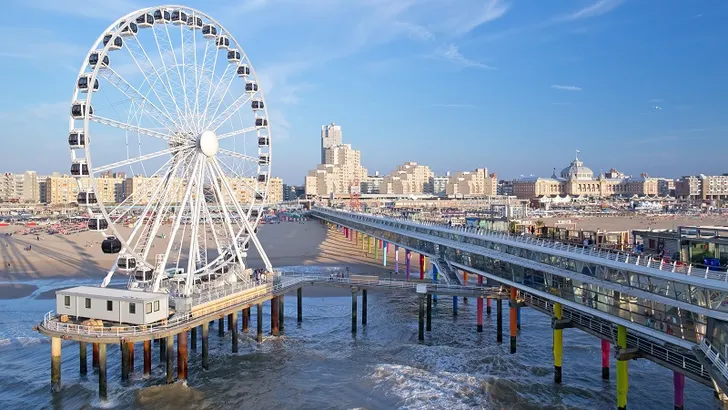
(330, 137)
(409, 178)
(19, 187)
(472, 184)
(702, 187)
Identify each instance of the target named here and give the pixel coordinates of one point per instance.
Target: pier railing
(611, 255)
(51, 320)
(714, 357)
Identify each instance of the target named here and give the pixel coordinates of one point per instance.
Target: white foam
(421, 388)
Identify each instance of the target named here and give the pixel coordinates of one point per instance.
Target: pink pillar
(678, 381)
(605, 359)
(480, 314)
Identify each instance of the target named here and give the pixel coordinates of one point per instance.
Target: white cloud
(595, 9)
(566, 87)
(452, 53)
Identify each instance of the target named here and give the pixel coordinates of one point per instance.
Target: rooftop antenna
(577, 155)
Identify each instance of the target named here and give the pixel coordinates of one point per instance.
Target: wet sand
(80, 256)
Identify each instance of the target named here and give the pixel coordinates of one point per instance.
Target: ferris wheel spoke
(128, 127)
(221, 98)
(198, 79)
(161, 41)
(148, 70)
(175, 227)
(188, 113)
(180, 90)
(216, 182)
(125, 206)
(206, 77)
(216, 166)
(241, 131)
(237, 155)
(121, 84)
(231, 109)
(141, 158)
(250, 188)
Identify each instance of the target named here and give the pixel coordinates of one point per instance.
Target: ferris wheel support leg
(109, 274)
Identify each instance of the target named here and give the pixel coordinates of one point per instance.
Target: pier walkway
(663, 308)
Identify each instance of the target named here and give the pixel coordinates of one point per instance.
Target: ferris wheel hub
(208, 143)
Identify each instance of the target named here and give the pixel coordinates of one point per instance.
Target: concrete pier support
(182, 356)
(558, 344)
(274, 316)
(162, 350)
(385, 246)
(363, 307)
(479, 314)
(205, 346)
(131, 357)
(434, 280)
(95, 355)
(396, 259)
(170, 359)
(193, 338)
(622, 371)
(429, 312)
(147, 357)
(221, 327)
(234, 331)
(421, 327)
(82, 358)
(259, 319)
(605, 359)
(102, 370)
(487, 306)
(124, 361)
(499, 320)
(246, 320)
(678, 381)
(407, 263)
(55, 364)
(422, 267)
(354, 292)
(455, 305)
(281, 312)
(299, 305)
(513, 318)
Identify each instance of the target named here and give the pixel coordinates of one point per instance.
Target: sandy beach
(80, 256)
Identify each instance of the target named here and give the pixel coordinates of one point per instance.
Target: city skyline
(505, 85)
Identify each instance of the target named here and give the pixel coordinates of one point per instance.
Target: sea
(320, 364)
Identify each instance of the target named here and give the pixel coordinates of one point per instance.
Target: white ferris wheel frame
(221, 187)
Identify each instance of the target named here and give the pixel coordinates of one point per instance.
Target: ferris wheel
(173, 155)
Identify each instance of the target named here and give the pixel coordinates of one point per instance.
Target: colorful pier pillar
(385, 246)
(55, 364)
(558, 344)
(281, 312)
(487, 306)
(422, 267)
(454, 305)
(274, 316)
(518, 317)
(678, 381)
(376, 248)
(513, 317)
(407, 257)
(182, 355)
(147, 357)
(622, 371)
(396, 258)
(479, 306)
(605, 359)
(434, 280)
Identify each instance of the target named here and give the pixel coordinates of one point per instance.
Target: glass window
(156, 306)
(88, 303)
(149, 307)
(132, 308)
(109, 305)
(67, 300)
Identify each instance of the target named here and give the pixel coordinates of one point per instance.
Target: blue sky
(514, 86)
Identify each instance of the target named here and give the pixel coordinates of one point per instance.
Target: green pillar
(622, 382)
(55, 364)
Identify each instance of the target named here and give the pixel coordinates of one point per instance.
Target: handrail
(624, 257)
(714, 356)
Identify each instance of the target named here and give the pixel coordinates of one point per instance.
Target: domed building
(578, 181)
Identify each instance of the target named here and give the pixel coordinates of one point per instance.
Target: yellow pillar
(622, 383)
(558, 344)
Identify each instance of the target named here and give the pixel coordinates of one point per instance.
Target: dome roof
(577, 170)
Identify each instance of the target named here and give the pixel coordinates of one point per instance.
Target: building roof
(577, 170)
(111, 293)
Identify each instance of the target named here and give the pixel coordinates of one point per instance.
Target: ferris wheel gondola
(179, 168)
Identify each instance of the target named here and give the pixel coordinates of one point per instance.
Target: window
(149, 307)
(88, 303)
(67, 300)
(156, 306)
(132, 308)
(109, 305)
